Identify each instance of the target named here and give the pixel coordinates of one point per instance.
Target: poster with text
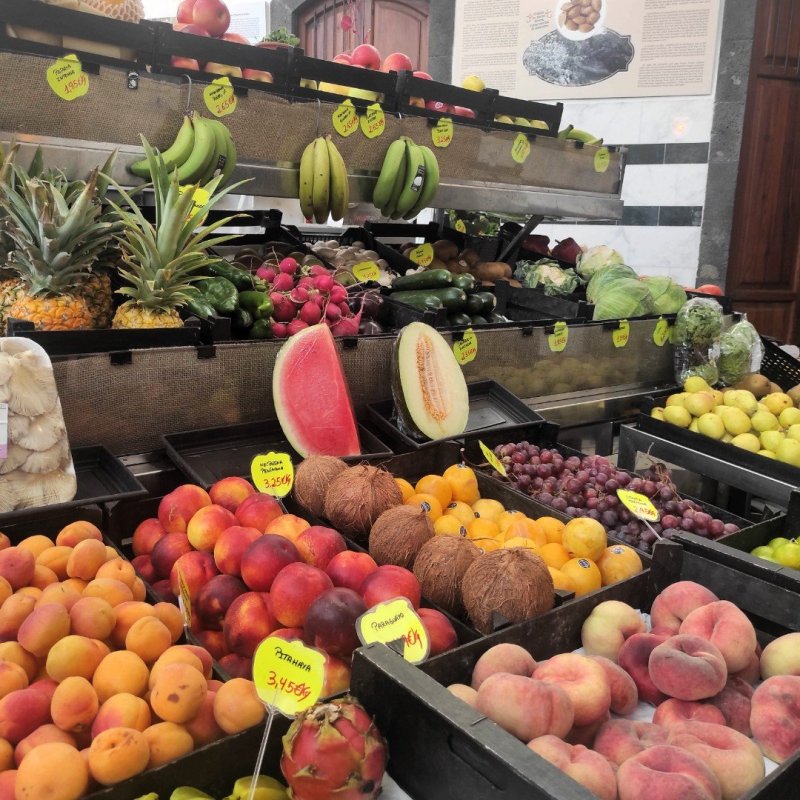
(578, 49)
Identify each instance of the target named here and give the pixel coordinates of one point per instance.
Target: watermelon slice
(311, 396)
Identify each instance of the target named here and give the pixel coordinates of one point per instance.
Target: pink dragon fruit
(334, 750)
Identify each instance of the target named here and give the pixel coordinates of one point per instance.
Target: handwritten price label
(345, 119)
(460, 226)
(521, 148)
(639, 505)
(602, 158)
(184, 600)
(557, 340)
(396, 624)
(373, 123)
(466, 348)
(67, 79)
(620, 335)
(494, 462)
(272, 473)
(422, 255)
(199, 199)
(442, 132)
(367, 271)
(219, 97)
(288, 675)
(661, 332)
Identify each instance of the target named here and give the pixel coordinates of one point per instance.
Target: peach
(585, 734)
(231, 546)
(8, 780)
(317, 545)
(465, 693)
(178, 692)
(167, 741)
(17, 566)
(147, 533)
(207, 525)
(726, 627)
(5, 588)
(16, 653)
(123, 710)
(330, 623)
(237, 706)
(112, 591)
(163, 590)
(624, 694)
(214, 599)
(288, 525)
(144, 568)
(350, 568)
(237, 666)
(774, 716)
(672, 712)
(525, 707)
(85, 559)
(76, 532)
(22, 712)
(197, 569)
(7, 754)
(12, 678)
(167, 551)
(675, 603)
(59, 593)
(294, 590)
(92, 617)
(388, 582)
(74, 705)
(120, 671)
(781, 656)
(505, 657)
(258, 511)
(42, 577)
(148, 638)
(171, 616)
(42, 735)
(42, 628)
(178, 507)
(203, 726)
(583, 680)
(663, 772)
(752, 672)
(13, 613)
(619, 739)
(75, 656)
(231, 492)
(584, 766)
(734, 703)
(288, 634)
(118, 569)
(265, 558)
(337, 676)
(609, 625)
(214, 642)
(4, 541)
(52, 771)
(117, 754)
(687, 668)
(36, 544)
(55, 558)
(441, 633)
(731, 756)
(634, 657)
(249, 620)
(126, 615)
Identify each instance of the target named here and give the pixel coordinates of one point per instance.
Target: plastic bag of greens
(740, 352)
(697, 332)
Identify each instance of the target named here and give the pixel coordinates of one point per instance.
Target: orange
(488, 509)
(448, 525)
(584, 573)
(585, 537)
(553, 528)
(561, 581)
(461, 511)
(483, 529)
(618, 562)
(406, 489)
(437, 486)
(428, 503)
(486, 545)
(463, 482)
(528, 529)
(507, 518)
(554, 554)
(521, 541)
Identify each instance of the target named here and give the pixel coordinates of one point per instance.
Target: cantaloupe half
(428, 386)
(311, 396)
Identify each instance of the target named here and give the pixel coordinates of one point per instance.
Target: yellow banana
(414, 179)
(175, 155)
(430, 185)
(203, 151)
(399, 182)
(322, 181)
(384, 186)
(339, 190)
(306, 195)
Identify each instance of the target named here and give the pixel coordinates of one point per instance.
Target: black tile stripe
(654, 216)
(681, 153)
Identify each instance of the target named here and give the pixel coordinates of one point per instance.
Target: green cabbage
(607, 277)
(547, 275)
(622, 299)
(595, 258)
(668, 297)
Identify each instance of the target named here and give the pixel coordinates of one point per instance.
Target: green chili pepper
(242, 320)
(262, 329)
(240, 278)
(257, 303)
(221, 293)
(200, 307)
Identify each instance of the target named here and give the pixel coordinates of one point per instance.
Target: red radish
(344, 308)
(266, 273)
(311, 313)
(318, 269)
(288, 265)
(306, 281)
(333, 313)
(324, 283)
(317, 298)
(299, 295)
(346, 326)
(295, 326)
(284, 310)
(338, 293)
(279, 330)
(283, 282)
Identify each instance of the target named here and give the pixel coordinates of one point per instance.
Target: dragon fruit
(334, 750)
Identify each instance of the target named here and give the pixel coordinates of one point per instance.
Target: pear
(794, 393)
(763, 407)
(789, 452)
(727, 438)
(788, 417)
(743, 400)
(711, 425)
(777, 402)
(764, 421)
(794, 432)
(774, 388)
(678, 415)
(717, 397)
(676, 399)
(693, 426)
(695, 384)
(755, 383)
(699, 403)
(771, 439)
(657, 413)
(735, 421)
(747, 441)
(767, 453)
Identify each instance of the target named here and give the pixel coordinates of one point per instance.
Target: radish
(346, 326)
(288, 266)
(344, 308)
(299, 295)
(283, 282)
(317, 298)
(324, 283)
(306, 281)
(295, 326)
(318, 269)
(266, 273)
(285, 310)
(310, 313)
(333, 313)
(279, 330)
(338, 293)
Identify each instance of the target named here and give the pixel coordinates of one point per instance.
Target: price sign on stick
(367, 271)
(638, 504)
(602, 158)
(521, 148)
(219, 97)
(199, 198)
(422, 255)
(67, 79)
(557, 340)
(396, 624)
(373, 123)
(466, 348)
(273, 473)
(620, 335)
(345, 119)
(442, 132)
(184, 600)
(661, 332)
(494, 462)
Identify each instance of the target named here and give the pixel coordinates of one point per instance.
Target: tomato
(709, 288)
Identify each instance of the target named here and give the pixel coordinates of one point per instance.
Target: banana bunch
(203, 149)
(573, 133)
(408, 181)
(323, 181)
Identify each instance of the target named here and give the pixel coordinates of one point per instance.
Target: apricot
(42, 577)
(178, 692)
(76, 532)
(148, 638)
(85, 559)
(127, 614)
(171, 616)
(237, 706)
(75, 656)
(5, 590)
(22, 712)
(55, 558)
(203, 728)
(75, 584)
(36, 544)
(120, 671)
(52, 771)
(74, 705)
(92, 617)
(118, 569)
(205, 657)
(16, 653)
(139, 590)
(42, 735)
(123, 710)
(13, 613)
(167, 741)
(8, 780)
(177, 654)
(43, 627)
(6, 755)
(60, 594)
(12, 677)
(117, 754)
(17, 566)
(111, 590)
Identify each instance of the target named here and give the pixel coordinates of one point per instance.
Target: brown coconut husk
(515, 582)
(440, 567)
(311, 481)
(398, 534)
(357, 497)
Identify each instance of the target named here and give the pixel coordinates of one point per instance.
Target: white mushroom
(42, 433)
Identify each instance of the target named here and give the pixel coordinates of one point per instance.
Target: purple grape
(702, 519)
(544, 471)
(546, 456)
(687, 524)
(524, 483)
(592, 502)
(609, 519)
(559, 504)
(612, 485)
(648, 537)
(518, 458)
(730, 527)
(537, 483)
(716, 528)
(670, 521)
(546, 498)
(593, 513)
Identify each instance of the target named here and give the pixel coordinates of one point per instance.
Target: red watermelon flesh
(311, 396)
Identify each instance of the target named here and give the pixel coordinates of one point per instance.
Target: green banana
(414, 180)
(429, 188)
(322, 181)
(564, 132)
(391, 163)
(231, 159)
(582, 136)
(399, 180)
(174, 155)
(220, 158)
(339, 191)
(266, 789)
(306, 195)
(203, 151)
(189, 793)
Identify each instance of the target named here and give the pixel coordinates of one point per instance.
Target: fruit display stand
(444, 747)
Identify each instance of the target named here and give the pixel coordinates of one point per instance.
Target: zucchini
(489, 302)
(421, 300)
(474, 304)
(451, 298)
(477, 319)
(428, 279)
(497, 318)
(459, 319)
(466, 282)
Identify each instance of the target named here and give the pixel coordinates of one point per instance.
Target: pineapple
(162, 261)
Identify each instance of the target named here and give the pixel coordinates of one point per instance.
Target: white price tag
(3, 431)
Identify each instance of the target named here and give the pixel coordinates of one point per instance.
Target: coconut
(312, 478)
(514, 582)
(440, 566)
(398, 534)
(358, 496)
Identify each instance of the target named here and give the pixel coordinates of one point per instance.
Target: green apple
(522, 122)
(766, 453)
(763, 552)
(504, 118)
(789, 417)
(473, 83)
(778, 541)
(788, 555)
(777, 402)
(736, 421)
(678, 415)
(699, 403)
(695, 384)
(743, 400)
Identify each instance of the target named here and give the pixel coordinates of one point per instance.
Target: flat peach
(726, 627)
(734, 703)
(666, 773)
(781, 656)
(609, 625)
(775, 716)
(672, 712)
(509, 658)
(584, 681)
(624, 694)
(688, 668)
(675, 603)
(620, 739)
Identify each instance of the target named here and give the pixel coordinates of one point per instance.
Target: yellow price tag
(373, 123)
(466, 348)
(272, 473)
(602, 158)
(396, 624)
(219, 97)
(620, 335)
(521, 148)
(199, 199)
(557, 340)
(184, 600)
(367, 271)
(639, 505)
(345, 119)
(442, 132)
(460, 226)
(494, 462)
(422, 255)
(67, 79)
(288, 675)
(661, 332)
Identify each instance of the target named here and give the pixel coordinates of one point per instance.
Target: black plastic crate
(779, 366)
(493, 408)
(49, 521)
(521, 302)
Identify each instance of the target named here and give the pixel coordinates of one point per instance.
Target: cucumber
(466, 282)
(451, 298)
(477, 319)
(474, 304)
(489, 302)
(497, 318)
(428, 279)
(458, 319)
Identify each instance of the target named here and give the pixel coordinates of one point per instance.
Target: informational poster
(577, 49)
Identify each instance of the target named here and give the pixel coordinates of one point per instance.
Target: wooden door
(764, 268)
